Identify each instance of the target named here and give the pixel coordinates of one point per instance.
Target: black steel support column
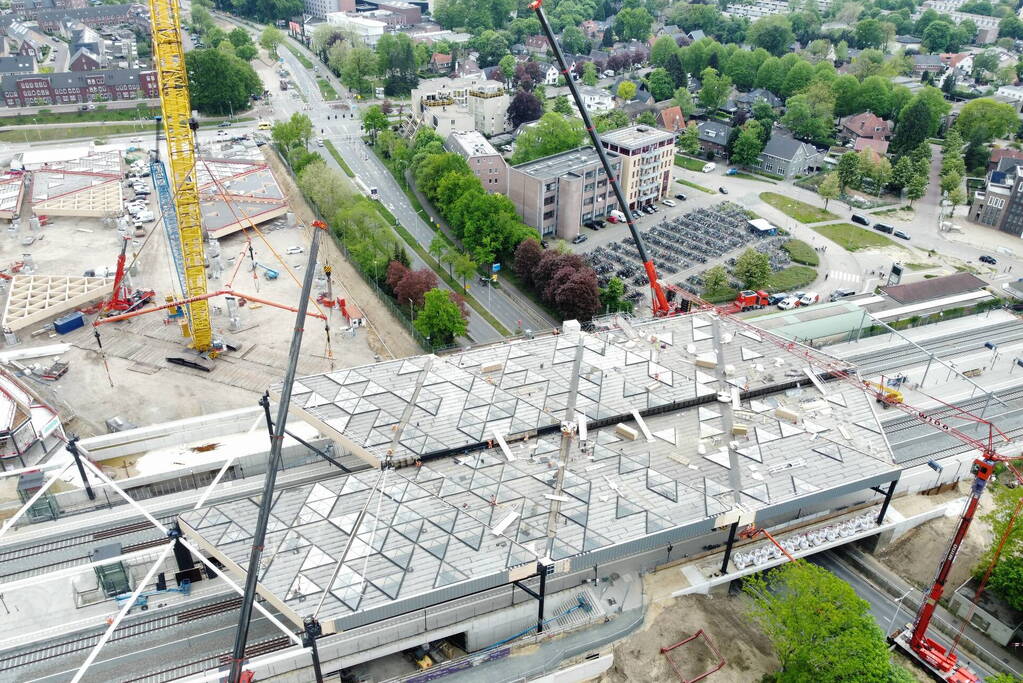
(313, 630)
(728, 547)
(543, 592)
(72, 446)
(887, 500)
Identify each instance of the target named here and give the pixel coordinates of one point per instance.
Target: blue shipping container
(71, 321)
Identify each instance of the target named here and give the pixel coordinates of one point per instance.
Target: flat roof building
(370, 30)
(484, 161)
(459, 104)
(556, 194)
(647, 156)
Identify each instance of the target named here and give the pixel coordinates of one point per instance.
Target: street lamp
(412, 309)
(898, 606)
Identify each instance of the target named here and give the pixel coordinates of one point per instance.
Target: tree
(809, 119)
(684, 100)
(829, 188)
(742, 68)
(589, 74)
(295, 131)
(492, 46)
(374, 120)
(465, 267)
(610, 120)
(612, 296)
(987, 119)
(646, 118)
(414, 286)
(396, 62)
(507, 65)
(903, 173)
(940, 36)
(677, 70)
(998, 520)
(574, 42)
(554, 133)
(881, 173)
(220, 84)
(950, 182)
(359, 63)
(848, 170)
(773, 33)
(527, 256)
(749, 145)
(660, 84)
(820, 629)
(633, 23)
(917, 188)
(664, 47)
(440, 319)
(714, 88)
(396, 272)
(562, 105)
(797, 79)
(842, 52)
(578, 298)
(689, 141)
(524, 107)
(270, 39)
(869, 33)
(753, 269)
(715, 280)
(957, 197)
(626, 90)
(1007, 581)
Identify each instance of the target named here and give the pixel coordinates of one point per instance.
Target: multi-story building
(452, 104)
(647, 156)
(76, 87)
(321, 8)
(556, 194)
(1000, 204)
(369, 30)
(17, 64)
(410, 14)
(27, 8)
(484, 161)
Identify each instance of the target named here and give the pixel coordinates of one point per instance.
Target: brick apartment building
(556, 194)
(75, 87)
(101, 16)
(484, 161)
(647, 156)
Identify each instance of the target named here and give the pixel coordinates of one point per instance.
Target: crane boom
(169, 59)
(659, 300)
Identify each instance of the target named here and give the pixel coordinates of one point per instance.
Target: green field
(100, 113)
(793, 208)
(326, 89)
(750, 176)
(801, 252)
(701, 188)
(690, 163)
(854, 238)
(39, 134)
(791, 278)
(301, 57)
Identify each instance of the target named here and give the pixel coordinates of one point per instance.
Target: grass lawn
(337, 157)
(919, 266)
(750, 176)
(793, 208)
(854, 238)
(801, 252)
(39, 134)
(791, 278)
(326, 89)
(720, 296)
(690, 163)
(701, 188)
(301, 57)
(100, 113)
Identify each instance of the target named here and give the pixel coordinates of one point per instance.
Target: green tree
(574, 42)
(715, 281)
(270, 39)
(950, 182)
(881, 174)
(842, 52)
(941, 36)
(612, 297)
(507, 65)
(742, 69)
(987, 119)
(749, 145)
(684, 100)
(773, 33)
(633, 23)
(610, 120)
(589, 74)
(396, 62)
(998, 520)
(848, 170)
(1007, 581)
(562, 105)
(912, 127)
(821, 630)
(374, 120)
(465, 267)
(359, 64)
(626, 90)
(689, 140)
(829, 188)
(869, 33)
(797, 79)
(646, 118)
(753, 269)
(917, 188)
(220, 84)
(664, 47)
(903, 173)
(677, 70)
(808, 118)
(554, 133)
(660, 85)
(440, 319)
(296, 131)
(714, 88)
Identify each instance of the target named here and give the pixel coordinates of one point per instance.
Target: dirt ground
(747, 652)
(388, 337)
(914, 556)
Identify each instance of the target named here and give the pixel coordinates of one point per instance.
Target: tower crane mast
(169, 59)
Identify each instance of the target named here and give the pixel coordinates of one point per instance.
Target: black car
(990, 260)
(901, 235)
(862, 220)
(681, 197)
(722, 190)
(885, 228)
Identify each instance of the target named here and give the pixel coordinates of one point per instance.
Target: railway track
(907, 422)
(107, 534)
(947, 346)
(130, 630)
(256, 649)
(73, 562)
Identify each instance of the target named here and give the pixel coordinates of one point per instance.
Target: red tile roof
(671, 118)
(879, 146)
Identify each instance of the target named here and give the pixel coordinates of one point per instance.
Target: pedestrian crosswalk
(841, 276)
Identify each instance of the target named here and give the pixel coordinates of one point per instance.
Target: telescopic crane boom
(662, 306)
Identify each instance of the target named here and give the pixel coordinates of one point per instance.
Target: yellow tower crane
(169, 58)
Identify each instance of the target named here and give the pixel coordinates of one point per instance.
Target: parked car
(862, 220)
(777, 297)
(722, 190)
(809, 298)
(579, 239)
(884, 227)
(841, 293)
(681, 197)
(732, 171)
(668, 202)
(224, 124)
(294, 250)
(990, 260)
(616, 216)
(319, 142)
(788, 303)
(901, 235)
(709, 167)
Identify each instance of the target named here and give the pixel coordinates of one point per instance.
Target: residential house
(746, 100)
(459, 104)
(1000, 204)
(1002, 153)
(76, 87)
(1011, 92)
(484, 161)
(785, 156)
(671, 118)
(593, 29)
(907, 43)
(878, 147)
(927, 64)
(84, 60)
(440, 63)
(696, 35)
(85, 38)
(536, 44)
(866, 125)
(714, 137)
(596, 99)
(17, 64)
(550, 76)
(97, 17)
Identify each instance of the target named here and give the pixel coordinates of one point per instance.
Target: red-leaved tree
(527, 256)
(396, 272)
(579, 298)
(414, 286)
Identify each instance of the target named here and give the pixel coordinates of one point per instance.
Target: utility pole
(276, 443)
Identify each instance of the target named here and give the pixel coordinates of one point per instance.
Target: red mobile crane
(938, 659)
(123, 299)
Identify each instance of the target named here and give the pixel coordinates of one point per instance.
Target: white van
(616, 216)
(707, 168)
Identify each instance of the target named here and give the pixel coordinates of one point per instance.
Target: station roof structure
(87, 184)
(238, 192)
(12, 188)
(575, 449)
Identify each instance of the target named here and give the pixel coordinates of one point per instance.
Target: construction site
(223, 459)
